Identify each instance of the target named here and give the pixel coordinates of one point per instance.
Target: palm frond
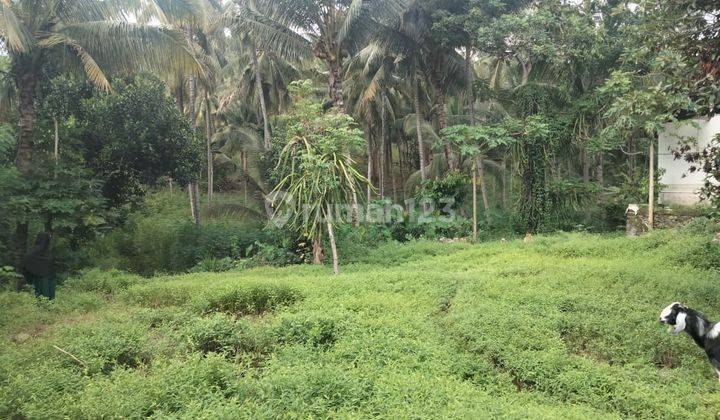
(90, 66)
(126, 48)
(269, 35)
(16, 34)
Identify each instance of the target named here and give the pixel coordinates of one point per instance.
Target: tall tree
(333, 28)
(89, 36)
(318, 171)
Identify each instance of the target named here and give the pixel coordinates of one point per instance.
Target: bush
(9, 278)
(103, 347)
(315, 330)
(215, 265)
(253, 300)
(161, 245)
(218, 333)
(96, 280)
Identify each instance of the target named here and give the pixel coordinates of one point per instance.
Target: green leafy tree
(319, 172)
(475, 143)
(669, 70)
(88, 36)
(134, 136)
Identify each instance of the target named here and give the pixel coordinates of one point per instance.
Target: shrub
(9, 277)
(314, 330)
(162, 245)
(253, 300)
(104, 346)
(217, 333)
(97, 280)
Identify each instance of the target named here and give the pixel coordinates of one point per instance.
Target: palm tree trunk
(194, 212)
(317, 249)
(245, 176)
(336, 84)
(369, 166)
(56, 150)
(383, 141)
(586, 167)
(442, 123)
(401, 166)
(23, 159)
(483, 184)
(333, 247)
(193, 189)
(504, 180)
(470, 74)
(474, 202)
(192, 92)
(336, 93)
(208, 150)
(418, 128)
(261, 96)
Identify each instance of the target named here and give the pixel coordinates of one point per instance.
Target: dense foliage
(552, 108)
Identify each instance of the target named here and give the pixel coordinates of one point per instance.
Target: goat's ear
(680, 322)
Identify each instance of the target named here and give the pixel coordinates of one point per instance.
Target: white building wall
(681, 186)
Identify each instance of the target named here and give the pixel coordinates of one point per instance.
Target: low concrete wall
(681, 186)
(664, 218)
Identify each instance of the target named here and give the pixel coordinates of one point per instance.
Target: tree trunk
(483, 184)
(192, 91)
(261, 96)
(383, 141)
(317, 249)
(333, 247)
(401, 167)
(245, 175)
(586, 167)
(526, 68)
(504, 180)
(208, 150)
(369, 166)
(56, 150)
(27, 83)
(23, 158)
(474, 203)
(442, 123)
(336, 93)
(193, 195)
(651, 186)
(418, 128)
(193, 188)
(599, 169)
(336, 84)
(470, 73)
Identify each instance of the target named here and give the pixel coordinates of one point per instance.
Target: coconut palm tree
(191, 17)
(373, 80)
(89, 36)
(83, 35)
(334, 29)
(244, 17)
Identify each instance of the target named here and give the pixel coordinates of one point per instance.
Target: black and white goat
(703, 332)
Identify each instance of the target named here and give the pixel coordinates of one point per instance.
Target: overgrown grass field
(563, 327)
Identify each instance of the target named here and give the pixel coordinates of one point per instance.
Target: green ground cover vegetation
(564, 326)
